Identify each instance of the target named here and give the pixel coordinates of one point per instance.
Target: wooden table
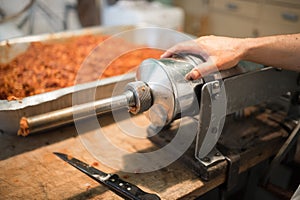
(30, 170)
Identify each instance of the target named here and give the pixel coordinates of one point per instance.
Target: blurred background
(238, 18)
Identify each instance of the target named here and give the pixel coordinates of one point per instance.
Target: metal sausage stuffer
(163, 93)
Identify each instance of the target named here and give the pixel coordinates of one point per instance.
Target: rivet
(214, 130)
(217, 154)
(216, 85)
(206, 159)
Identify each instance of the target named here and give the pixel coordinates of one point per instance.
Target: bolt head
(214, 130)
(206, 159)
(216, 85)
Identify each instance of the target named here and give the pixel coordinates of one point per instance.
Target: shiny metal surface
(67, 115)
(142, 96)
(172, 94)
(242, 90)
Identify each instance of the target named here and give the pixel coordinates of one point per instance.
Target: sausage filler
(162, 92)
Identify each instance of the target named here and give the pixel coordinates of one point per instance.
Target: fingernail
(164, 55)
(195, 74)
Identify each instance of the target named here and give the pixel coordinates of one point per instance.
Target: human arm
(282, 51)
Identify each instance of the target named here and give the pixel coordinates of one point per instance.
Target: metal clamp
(213, 158)
(212, 117)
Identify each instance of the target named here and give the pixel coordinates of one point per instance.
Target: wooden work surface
(30, 170)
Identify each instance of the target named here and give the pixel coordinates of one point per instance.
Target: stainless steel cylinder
(173, 96)
(65, 116)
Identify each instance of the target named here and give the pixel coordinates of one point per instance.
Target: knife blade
(122, 188)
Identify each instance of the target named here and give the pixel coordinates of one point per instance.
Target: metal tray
(12, 111)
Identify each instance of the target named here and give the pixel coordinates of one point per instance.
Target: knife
(112, 181)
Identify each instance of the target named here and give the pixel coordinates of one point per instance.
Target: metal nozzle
(136, 98)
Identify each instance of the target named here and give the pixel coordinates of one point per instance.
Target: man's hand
(220, 52)
(223, 52)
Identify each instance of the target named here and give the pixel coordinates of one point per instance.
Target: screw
(217, 154)
(214, 130)
(216, 85)
(216, 96)
(206, 159)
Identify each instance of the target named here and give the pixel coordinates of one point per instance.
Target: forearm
(281, 51)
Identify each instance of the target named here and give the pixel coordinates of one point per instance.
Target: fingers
(166, 54)
(193, 75)
(183, 47)
(202, 70)
(173, 50)
(192, 47)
